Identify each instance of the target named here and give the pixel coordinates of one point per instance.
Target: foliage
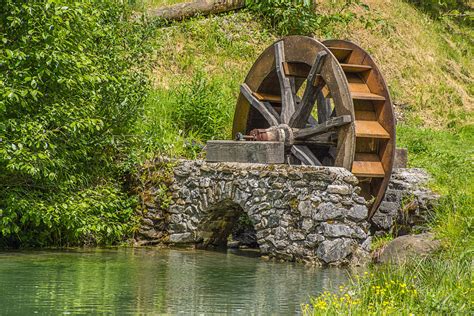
(287, 17)
(380, 242)
(72, 83)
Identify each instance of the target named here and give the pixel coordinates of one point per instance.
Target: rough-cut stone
(358, 213)
(181, 238)
(339, 189)
(327, 211)
(336, 230)
(312, 240)
(305, 208)
(331, 251)
(402, 248)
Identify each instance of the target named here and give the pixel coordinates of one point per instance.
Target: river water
(155, 281)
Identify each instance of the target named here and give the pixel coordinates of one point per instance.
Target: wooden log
(245, 151)
(203, 7)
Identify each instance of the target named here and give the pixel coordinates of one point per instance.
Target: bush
(287, 17)
(71, 84)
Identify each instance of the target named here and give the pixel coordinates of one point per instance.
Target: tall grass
(179, 120)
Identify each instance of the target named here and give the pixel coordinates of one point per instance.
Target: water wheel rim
(300, 50)
(377, 84)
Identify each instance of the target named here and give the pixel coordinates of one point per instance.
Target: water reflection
(137, 281)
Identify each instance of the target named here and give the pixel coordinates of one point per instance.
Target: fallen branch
(203, 7)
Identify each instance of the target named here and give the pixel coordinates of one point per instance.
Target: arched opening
(226, 225)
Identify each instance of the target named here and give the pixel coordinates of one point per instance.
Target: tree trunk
(204, 7)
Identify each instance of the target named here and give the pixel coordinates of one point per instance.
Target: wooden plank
(364, 105)
(322, 128)
(261, 96)
(366, 157)
(367, 96)
(370, 169)
(340, 53)
(365, 115)
(293, 69)
(302, 113)
(356, 84)
(367, 145)
(287, 100)
(325, 139)
(305, 155)
(245, 151)
(267, 111)
(353, 68)
(371, 129)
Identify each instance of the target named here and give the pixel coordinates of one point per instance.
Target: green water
(155, 281)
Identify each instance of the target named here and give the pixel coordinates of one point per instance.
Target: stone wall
(408, 204)
(299, 213)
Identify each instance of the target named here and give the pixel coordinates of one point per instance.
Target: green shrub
(72, 83)
(287, 17)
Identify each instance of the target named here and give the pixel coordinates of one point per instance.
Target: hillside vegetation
(88, 93)
(427, 61)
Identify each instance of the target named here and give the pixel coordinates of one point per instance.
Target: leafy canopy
(71, 84)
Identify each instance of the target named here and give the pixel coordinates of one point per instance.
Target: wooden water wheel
(328, 103)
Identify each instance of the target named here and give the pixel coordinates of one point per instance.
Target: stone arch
(299, 213)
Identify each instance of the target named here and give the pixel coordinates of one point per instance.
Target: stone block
(331, 251)
(181, 238)
(339, 189)
(358, 213)
(327, 211)
(401, 158)
(245, 151)
(336, 230)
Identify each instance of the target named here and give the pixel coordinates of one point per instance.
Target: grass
(428, 65)
(431, 286)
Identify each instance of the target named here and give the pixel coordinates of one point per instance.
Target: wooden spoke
(305, 155)
(265, 108)
(324, 108)
(325, 139)
(321, 128)
(328, 137)
(287, 100)
(313, 86)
